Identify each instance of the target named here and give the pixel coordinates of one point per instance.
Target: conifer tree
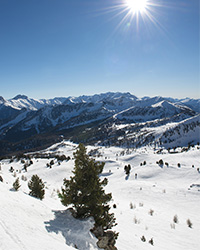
(85, 190)
(16, 184)
(36, 186)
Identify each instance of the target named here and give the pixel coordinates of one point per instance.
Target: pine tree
(85, 190)
(16, 184)
(36, 186)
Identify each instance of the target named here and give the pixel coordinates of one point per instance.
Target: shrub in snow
(36, 186)
(151, 241)
(16, 184)
(1, 178)
(143, 238)
(179, 165)
(160, 162)
(11, 169)
(25, 167)
(24, 178)
(85, 190)
(114, 206)
(61, 157)
(172, 225)
(127, 169)
(141, 204)
(136, 221)
(151, 212)
(52, 162)
(189, 223)
(131, 205)
(175, 219)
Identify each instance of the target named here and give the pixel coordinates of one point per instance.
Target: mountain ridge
(86, 118)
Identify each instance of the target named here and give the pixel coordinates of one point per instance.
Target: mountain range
(109, 119)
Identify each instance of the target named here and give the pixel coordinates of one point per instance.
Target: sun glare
(137, 6)
(135, 12)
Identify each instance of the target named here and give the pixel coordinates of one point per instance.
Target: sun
(136, 6)
(135, 13)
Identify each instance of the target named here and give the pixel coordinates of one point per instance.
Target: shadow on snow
(76, 232)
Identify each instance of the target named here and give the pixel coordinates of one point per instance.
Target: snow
(166, 191)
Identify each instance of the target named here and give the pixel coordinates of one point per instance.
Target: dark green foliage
(189, 223)
(85, 190)
(11, 169)
(36, 186)
(61, 157)
(175, 219)
(52, 162)
(143, 238)
(151, 241)
(16, 184)
(127, 169)
(160, 162)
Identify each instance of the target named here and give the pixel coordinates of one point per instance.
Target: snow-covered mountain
(159, 110)
(31, 122)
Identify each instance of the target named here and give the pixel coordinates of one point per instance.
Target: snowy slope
(159, 110)
(166, 191)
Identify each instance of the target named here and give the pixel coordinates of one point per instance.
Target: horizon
(102, 93)
(79, 48)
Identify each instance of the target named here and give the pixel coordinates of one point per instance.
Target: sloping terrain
(154, 204)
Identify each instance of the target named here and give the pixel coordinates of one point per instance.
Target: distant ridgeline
(119, 119)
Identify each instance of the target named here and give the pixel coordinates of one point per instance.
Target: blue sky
(54, 48)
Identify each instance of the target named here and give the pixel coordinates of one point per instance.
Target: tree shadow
(105, 174)
(76, 232)
(127, 177)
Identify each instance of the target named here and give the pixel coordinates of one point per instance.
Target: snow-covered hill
(146, 205)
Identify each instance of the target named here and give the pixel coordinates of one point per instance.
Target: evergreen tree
(16, 184)
(36, 186)
(85, 190)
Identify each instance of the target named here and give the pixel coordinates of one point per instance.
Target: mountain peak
(20, 97)
(2, 99)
